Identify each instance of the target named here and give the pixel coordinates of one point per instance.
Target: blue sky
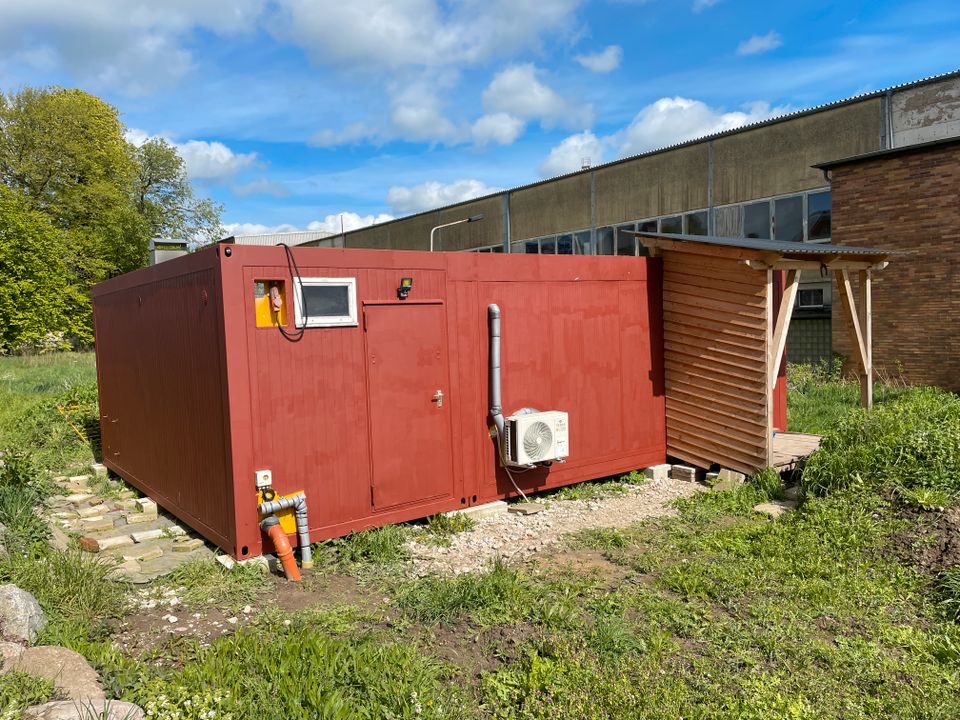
(297, 113)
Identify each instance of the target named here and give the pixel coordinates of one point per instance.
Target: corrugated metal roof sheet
(778, 246)
(290, 238)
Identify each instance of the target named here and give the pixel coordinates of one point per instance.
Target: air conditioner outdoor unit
(536, 437)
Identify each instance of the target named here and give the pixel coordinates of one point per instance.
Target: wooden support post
(779, 342)
(857, 323)
(866, 330)
(769, 344)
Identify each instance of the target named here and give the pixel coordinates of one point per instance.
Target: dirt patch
(932, 542)
(522, 537)
(161, 618)
(476, 651)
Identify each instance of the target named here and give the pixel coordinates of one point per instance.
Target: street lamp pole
(472, 218)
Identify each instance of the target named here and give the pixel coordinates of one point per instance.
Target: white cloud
(501, 128)
(377, 34)
(604, 61)
(331, 223)
(701, 5)
(417, 116)
(211, 161)
(678, 119)
(134, 46)
(518, 91)
(665, 122)
(429, 195)
(355, 132)
(760, 44)
(571, 154)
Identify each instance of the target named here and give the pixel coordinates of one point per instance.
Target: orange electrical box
(267, 315)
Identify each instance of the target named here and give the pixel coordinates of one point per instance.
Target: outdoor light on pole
(472, 218)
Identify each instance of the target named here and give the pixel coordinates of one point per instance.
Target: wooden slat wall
(716, 329)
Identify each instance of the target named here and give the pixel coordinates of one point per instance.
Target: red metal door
(408, 381)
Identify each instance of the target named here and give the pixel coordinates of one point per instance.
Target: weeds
(911, 443)
(769, 483)
(204, 582)
(21, 494)
(18, 691)
(380, 547)
(73, 588)
(600, 539)
(441, 527)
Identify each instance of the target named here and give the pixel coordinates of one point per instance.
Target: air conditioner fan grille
(537, 440)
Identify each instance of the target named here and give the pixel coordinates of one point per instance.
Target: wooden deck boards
(789, 448)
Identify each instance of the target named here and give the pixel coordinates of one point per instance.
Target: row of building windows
(794, 218)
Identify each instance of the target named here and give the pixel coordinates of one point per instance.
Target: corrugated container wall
(384, 417)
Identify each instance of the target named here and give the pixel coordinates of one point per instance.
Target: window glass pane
(818, 215)
(497, 249)
(788, 219)
(533, 247)
(671, 225)
(605, 241)
(582, 245)
(756, 220)
(548, 246)
(811, 297)
(565, 244)
(697, 223)
(518, 247)
(326, 300)
(647, 226)
(626, 243)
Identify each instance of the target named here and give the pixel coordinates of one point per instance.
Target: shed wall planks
(715, 332)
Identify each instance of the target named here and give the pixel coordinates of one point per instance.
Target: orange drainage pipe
(281, 543)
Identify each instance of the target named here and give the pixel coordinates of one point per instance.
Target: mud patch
(932, 542)
(476, 651)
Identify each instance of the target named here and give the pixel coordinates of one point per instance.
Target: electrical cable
(297, 335)
(509, 474)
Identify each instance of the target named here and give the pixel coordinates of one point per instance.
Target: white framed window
(810, 298)
(330, 302)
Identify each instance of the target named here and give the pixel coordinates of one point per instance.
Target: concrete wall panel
(551, 207)
(925, 113)
(660, 184)
(776, 159)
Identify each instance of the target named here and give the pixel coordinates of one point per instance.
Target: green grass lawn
(715, 613)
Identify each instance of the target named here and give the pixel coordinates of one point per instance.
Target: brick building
(906, 199)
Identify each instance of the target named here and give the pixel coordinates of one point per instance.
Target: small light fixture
(406, 285)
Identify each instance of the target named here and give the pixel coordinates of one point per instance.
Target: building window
(605, 241)
(788, 219)
(810, 298)
(672, 225)
(325, 302)
(818, 216)
(548, 245)
(696, 223)
(626, 242)
(565, 245)
(756, 220)
(582, 245)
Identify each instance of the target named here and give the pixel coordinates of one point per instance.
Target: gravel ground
(518, 537)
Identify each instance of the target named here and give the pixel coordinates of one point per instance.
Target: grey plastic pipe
(496, 406)
(299, 504)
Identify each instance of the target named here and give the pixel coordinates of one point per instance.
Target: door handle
(438, 398)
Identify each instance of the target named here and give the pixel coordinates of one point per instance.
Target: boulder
(21, 616)
(69, 671)
(72, 710)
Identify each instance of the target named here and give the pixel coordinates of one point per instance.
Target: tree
(165, 199)
(35, 304)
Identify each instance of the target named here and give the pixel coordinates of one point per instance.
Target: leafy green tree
(36, 308)
(164, 197)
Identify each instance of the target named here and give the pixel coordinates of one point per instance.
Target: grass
(714, 613)
(440, 528)
(818, 397)
(201, 582)
(30, 390)
(18, 691)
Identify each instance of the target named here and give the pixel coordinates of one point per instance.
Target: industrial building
(767, 180)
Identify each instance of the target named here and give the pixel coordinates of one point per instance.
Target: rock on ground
(70, 672)
(21, 616)
(519, 537)
(73, 710)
